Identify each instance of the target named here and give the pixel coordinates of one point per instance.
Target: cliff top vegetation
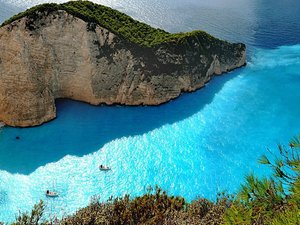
(113, 20)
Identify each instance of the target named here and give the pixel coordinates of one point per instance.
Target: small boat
(104, 168)
(51, 194)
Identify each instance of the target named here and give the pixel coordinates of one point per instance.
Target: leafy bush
(154, 207)
(151, 208)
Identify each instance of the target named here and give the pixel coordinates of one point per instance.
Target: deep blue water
(196, 145)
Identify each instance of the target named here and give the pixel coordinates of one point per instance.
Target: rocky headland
(91, 53)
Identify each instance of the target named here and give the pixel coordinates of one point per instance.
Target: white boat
(104, 168)
(2, 124)
(51, 194)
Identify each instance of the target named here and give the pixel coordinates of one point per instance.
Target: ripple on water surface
(202, 143)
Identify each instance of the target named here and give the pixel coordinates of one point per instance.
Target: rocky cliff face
(61, 56)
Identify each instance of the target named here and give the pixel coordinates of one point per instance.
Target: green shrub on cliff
(113, 20)
(152, 208)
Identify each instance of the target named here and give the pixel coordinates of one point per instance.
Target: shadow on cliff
(81, 128)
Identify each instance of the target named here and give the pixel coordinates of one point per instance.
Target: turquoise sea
(197, 145)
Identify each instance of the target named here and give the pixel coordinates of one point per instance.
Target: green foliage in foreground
(155, 207)
(274, 200)
(113, 20)
(266, 201)
(33, 218)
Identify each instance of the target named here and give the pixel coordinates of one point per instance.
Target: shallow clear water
(196, 145)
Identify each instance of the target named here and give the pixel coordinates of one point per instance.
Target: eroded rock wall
(61, 56)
